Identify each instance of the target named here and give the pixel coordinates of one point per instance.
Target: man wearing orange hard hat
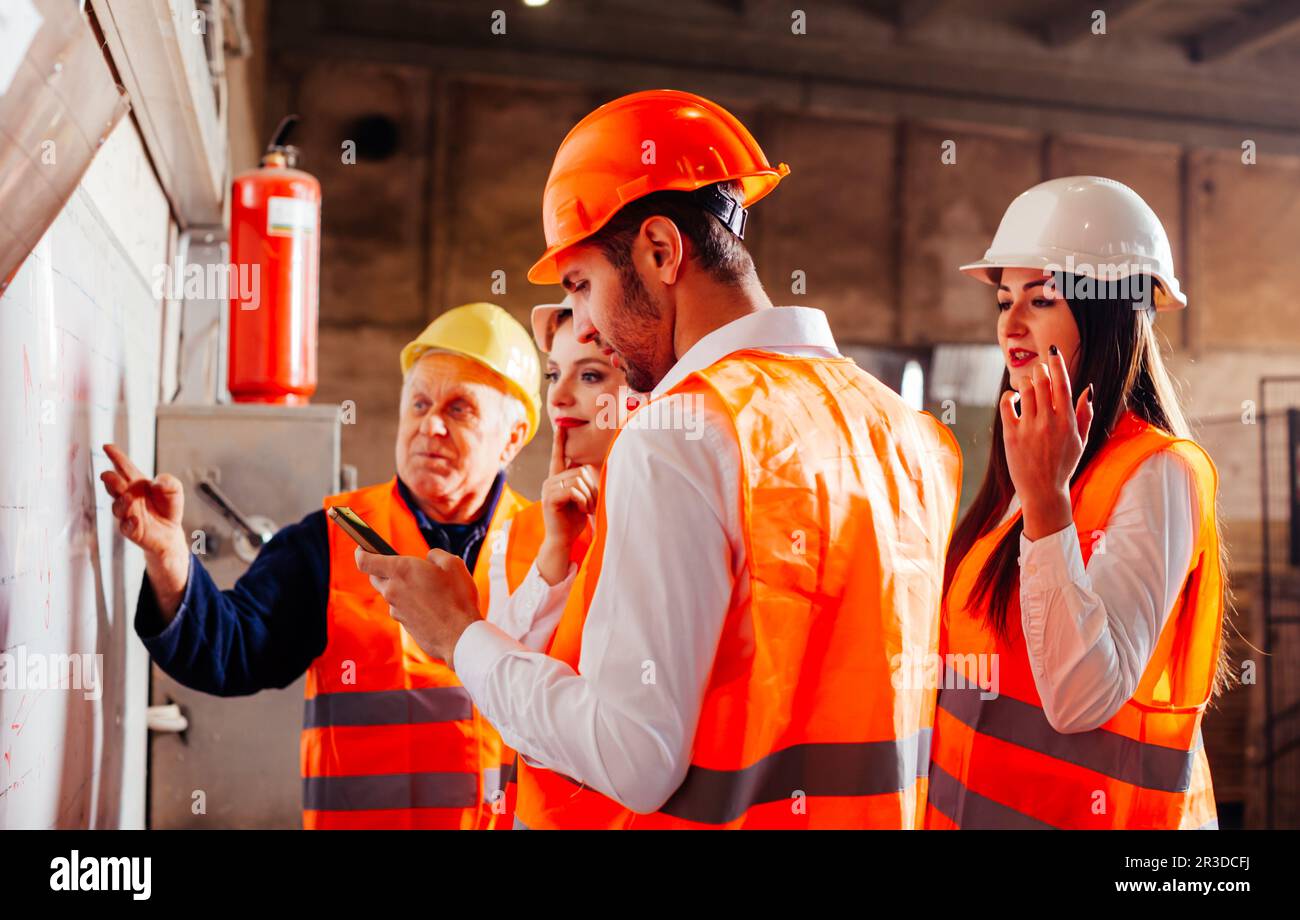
(769, 535)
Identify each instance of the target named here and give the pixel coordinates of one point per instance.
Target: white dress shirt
(1090, 631)
(531, 613)
(674, 562)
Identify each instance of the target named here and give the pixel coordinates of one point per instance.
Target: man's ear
(515, 443)
(665, 247)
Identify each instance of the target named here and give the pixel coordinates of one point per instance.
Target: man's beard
(638, 378)
(637, 312)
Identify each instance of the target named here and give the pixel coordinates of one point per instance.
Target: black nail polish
(1090, 392)
(1054, 350)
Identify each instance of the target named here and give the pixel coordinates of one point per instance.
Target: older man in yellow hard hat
(390, 738)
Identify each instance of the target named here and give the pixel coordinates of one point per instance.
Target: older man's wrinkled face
(458, 426)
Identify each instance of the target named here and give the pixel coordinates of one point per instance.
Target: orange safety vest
(524, 540)
(847, 499)
(390, 737)
(998, 763)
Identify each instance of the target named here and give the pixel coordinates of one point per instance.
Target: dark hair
(714, 247)
(1120, 357)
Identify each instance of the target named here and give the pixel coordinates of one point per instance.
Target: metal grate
(1279, 444)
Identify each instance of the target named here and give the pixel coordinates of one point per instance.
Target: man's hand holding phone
(434, 598)
(361, 533)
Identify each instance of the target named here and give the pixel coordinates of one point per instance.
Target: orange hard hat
(652, 141)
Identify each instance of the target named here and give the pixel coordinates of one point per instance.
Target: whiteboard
(80, 338)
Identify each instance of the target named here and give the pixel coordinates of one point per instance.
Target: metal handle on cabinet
(258, 537)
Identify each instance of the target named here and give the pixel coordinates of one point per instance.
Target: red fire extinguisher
(275, 265)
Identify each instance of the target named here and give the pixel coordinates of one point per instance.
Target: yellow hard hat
(489, 335)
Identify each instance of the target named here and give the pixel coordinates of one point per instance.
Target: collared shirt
(1090, 631)
(463, 540)
(268, 629)
(673, 565)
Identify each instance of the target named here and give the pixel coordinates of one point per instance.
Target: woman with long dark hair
(1084, 591)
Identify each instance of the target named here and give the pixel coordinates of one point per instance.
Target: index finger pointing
(123, 463)
(558, 463)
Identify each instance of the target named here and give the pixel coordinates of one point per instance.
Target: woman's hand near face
(568, 497)
(1044, 444)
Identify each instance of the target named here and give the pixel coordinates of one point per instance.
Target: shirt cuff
(1051, 562)
(477, 652)
(149, 625)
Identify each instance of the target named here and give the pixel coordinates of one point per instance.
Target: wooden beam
(1279, 20)
(914, 13)
(1075, 26)
(622, 54)
(837, 97)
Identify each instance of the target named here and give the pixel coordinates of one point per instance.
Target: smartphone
(352, 525)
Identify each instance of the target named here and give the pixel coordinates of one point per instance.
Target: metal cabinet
(235, 765)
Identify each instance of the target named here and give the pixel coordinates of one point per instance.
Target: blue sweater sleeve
(264, 632)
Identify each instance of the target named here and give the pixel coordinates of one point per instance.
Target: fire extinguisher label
(290, 216)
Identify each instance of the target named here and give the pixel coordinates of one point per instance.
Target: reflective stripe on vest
(863, 769)
(848, 499)
(388, 707)
(390, 791)
(1134, 762)
(999, 763)
(390, 738)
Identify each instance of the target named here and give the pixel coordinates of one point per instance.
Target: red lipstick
(1019, 357)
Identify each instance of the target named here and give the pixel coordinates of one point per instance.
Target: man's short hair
(716, 249)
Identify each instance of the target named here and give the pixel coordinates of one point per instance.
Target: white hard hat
(542, 317)
(1084, 225)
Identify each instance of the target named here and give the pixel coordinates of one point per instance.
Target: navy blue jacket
(267, 629)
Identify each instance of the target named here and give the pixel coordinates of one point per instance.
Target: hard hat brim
(546, 271)
(1168, 296)
(541, 323)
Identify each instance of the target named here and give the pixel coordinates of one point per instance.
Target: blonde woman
(546, 542)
